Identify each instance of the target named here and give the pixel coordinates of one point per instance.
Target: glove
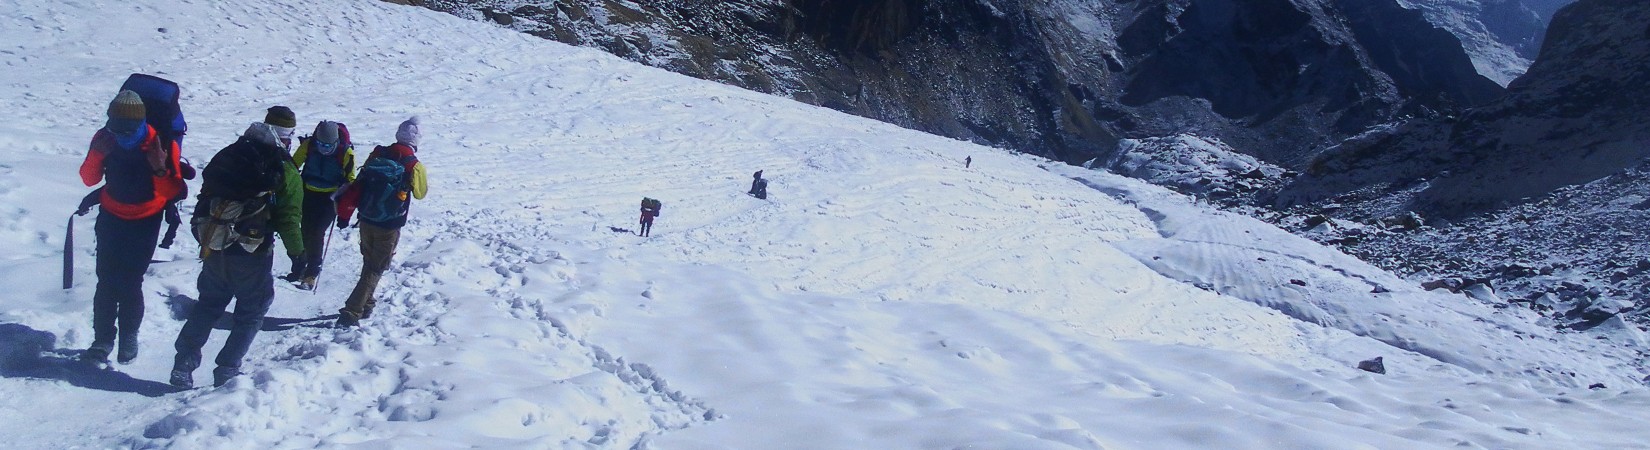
(171, 234)
(186, 170)
(88, 202)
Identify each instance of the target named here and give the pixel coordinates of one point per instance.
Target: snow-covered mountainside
(884, 296)
(1502, 36)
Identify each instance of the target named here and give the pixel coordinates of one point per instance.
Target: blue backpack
(384, 191)
(160, 105)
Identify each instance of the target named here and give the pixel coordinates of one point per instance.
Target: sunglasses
(325, 145)
(123, 126)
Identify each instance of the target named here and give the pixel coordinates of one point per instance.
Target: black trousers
(319, 214)
(124, 248)
(227, 276)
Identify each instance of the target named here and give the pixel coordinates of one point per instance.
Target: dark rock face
(1554, 175)
(1572, 119)
(1059, 78)
(1519, 25)
(1501, 35)
(1425, 60)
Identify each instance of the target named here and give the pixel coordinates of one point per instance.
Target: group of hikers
(251, 190)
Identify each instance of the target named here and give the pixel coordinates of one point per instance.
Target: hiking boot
(182, 379)
(97, 353)
(308, 284)
(222, 375)
(346, 321)
(366, 312)
(128, 350)
(292, 277)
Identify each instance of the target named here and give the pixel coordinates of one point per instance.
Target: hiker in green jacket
(249, 190)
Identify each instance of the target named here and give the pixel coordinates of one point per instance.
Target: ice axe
(68, 255)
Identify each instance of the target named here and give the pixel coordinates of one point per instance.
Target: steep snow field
(884, 296)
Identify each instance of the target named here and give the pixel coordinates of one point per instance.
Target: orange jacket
(133, 195)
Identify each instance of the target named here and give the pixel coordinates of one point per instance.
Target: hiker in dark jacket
(140, 175)
(384, 206)
(650, 210)
(249, 188)
(326, 161)
(759, 186)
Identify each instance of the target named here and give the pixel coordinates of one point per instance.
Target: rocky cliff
(1065, 79)
(1502, 36)
(1549, 179)
(1572, 119)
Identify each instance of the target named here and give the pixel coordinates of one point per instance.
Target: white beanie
(408, 132)
(262, 133)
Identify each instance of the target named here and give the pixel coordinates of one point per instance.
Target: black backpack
(238, 193)
(653, 205)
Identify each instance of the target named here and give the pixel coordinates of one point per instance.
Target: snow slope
(883, 297)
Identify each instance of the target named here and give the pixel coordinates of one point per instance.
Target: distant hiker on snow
(968, 161)
(248, 190)
(759, 186)
(650, 209)
(380, 192)
(142, 174)
(326, 162)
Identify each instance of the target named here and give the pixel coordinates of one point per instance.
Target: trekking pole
(325, 247)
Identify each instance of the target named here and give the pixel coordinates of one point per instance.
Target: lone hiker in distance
(650, 209)
(759, 186)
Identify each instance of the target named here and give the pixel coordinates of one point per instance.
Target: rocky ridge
(1064, 79)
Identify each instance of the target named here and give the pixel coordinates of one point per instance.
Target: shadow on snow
(29, 353)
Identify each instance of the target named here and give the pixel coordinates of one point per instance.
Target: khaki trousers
(377, 247)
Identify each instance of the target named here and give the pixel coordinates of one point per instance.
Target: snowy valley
(884, 295)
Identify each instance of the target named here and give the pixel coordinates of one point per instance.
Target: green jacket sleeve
(289, 212)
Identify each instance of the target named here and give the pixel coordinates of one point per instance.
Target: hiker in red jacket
(140, 174)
